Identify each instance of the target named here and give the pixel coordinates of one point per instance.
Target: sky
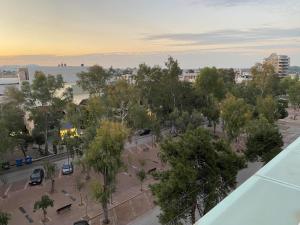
(125, 33)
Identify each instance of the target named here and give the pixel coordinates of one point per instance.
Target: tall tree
(201, 172)
(265, 79)
(120, 97)
(235, 113)
(50, 169)
(294, 97)
(95, 80)
(209, 82)
(13, 131)
(264, 140)
(104, 155)
(268, 107)
(42, 100)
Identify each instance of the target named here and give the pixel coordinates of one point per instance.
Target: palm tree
(4, 218)
(43, 204)
(50, 173)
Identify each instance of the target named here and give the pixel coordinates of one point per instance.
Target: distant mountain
(294, 69)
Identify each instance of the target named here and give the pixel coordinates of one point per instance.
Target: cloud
(229, 36)
(228, 3)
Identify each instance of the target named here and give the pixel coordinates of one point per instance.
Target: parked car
(5, 165)
(143, 132)
(67, 168)
(37, 176)
(81, 222)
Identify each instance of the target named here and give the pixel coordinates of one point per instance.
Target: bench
(66, 207)
(151, 170)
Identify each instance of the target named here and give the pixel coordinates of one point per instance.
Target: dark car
(36, 177)
(144, 132)
(5, 165)
(81, 222)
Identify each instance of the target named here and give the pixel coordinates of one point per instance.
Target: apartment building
(281, 63)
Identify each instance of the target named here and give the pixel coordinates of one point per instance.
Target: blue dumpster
(19, 162)
(28, 160)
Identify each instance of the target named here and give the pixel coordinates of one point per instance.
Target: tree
(141, 174)
(13, 131)
(41, 99)
(209, 82)
(43, 204)
(212, 111)
(79, 184)
(50, 169)
(268, 108)
(159, 90)
(4, 218)
(201, 172)
(120, 97)
(104, 156)
(265, 79)
(235, 113)
(94, 81)
(294, 96)
(264, 140)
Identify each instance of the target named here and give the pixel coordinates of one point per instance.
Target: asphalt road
(21, 173)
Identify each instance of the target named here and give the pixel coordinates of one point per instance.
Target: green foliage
(199, 167)
(264, 140)
(265, 79)
(43, 204)
(99, 192)
(120, 97)
(4, 218)
(209, 82)
(94, 81)
(160, 89)
(235, 113)
(294, 95)
(12, 126)
(50, 169)
(267, 107)
(141, 175)
(43, 101)
(104, 156)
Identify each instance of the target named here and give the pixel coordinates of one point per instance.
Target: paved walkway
(128, 203)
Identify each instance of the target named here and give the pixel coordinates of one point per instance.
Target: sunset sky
(227, 33)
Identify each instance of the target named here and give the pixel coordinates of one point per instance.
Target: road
(23, 172)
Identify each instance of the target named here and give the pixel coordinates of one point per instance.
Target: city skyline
(127, 33)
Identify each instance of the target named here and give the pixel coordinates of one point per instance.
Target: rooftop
(269, 197)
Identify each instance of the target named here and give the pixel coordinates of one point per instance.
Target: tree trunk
(215, 127)
(46, 135)
(193, 216)
(86, 206)
(52, 185)
(105, 213)
(44, 214)
(80, 198)
(23, 150)
(141, 186)
(105, 201)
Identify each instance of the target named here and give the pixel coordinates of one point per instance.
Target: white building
(189, 75)
(242, 75)
(281, 63)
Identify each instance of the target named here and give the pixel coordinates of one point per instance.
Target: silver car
(67, 168)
